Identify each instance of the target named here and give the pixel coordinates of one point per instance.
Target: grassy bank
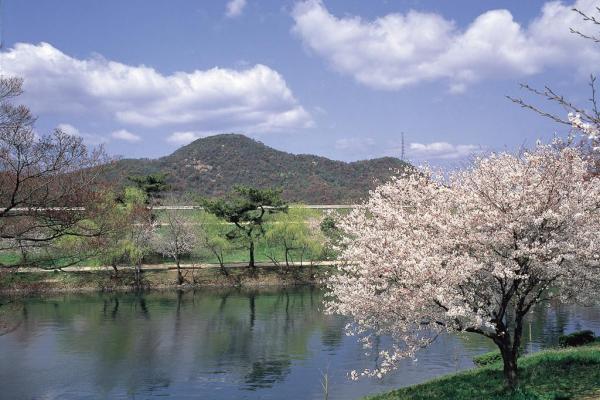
(104, 280)
(572, 373)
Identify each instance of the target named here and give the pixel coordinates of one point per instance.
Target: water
(216, 344)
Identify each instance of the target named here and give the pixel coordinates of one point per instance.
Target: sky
(338, 78)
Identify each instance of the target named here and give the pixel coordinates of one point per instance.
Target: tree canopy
(472, 252)
(297, 233)
(48, 183)
(246, 208)
(152, 184)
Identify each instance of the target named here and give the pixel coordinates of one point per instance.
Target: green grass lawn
(572, 373)
(236, 255)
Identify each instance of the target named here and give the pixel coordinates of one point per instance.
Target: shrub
(486, 359)
(576, 339)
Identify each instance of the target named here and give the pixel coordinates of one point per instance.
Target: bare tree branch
(39, 175)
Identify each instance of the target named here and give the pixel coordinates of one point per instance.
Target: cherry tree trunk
(509, 358)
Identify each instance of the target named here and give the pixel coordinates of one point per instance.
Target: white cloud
(89, 138)
(182, 138)
(235, 8)
(398, 50)
(441, 150)
(68, 129)
(123, 134)
(254, 100)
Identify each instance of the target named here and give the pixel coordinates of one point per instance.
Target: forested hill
(212, 166)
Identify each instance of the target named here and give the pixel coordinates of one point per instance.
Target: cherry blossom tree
(177, 238)
(470, 252)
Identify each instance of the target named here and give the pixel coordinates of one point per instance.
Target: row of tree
(240, 220)
(57, 210)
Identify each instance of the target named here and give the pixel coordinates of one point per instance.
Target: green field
(236, 255)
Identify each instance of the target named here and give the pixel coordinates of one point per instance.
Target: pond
(217, 344)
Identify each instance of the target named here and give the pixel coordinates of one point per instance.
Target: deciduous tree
(296, 232)
(176, 237)
(213, 238)
(583, 121)
(121, 245)
(472, 252)
(48, 182)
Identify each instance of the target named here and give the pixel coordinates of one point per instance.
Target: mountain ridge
(211, 166)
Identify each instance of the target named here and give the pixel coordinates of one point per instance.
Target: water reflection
(216, 344)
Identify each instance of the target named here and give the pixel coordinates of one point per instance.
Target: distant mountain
(212, 166)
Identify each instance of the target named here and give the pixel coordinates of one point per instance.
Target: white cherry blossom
(472, 251)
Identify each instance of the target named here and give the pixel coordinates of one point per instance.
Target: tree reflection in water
(230, 343)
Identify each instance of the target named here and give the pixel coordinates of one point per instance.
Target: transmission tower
(402, 148)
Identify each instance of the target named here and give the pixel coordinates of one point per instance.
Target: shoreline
(103, 280)
(173, 266)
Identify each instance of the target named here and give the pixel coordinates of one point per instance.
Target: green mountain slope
(212, 166)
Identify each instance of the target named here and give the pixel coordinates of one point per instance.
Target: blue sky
(340, 78)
